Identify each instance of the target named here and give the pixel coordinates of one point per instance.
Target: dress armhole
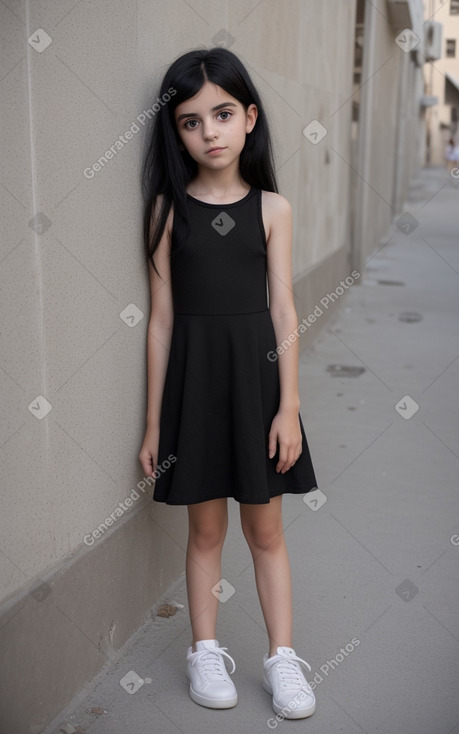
(260, 218)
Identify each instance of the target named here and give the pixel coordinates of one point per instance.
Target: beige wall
(66, 283)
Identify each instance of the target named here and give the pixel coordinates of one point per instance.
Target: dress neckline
(221, 205)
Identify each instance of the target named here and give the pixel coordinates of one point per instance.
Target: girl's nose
(209, 132)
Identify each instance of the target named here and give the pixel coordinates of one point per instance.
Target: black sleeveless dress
(222, 389)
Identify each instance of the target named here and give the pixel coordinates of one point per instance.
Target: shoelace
(290, 674)
(211, 663)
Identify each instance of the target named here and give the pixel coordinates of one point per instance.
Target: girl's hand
(148, 455)
(285, 428)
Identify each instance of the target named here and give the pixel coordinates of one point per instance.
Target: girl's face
(213, 119)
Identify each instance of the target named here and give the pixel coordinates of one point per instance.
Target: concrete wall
(73, 360)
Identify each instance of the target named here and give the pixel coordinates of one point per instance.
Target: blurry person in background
(451, 155)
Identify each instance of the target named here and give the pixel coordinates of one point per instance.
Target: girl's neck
(218, 185)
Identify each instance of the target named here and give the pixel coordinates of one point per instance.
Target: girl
(223, 410)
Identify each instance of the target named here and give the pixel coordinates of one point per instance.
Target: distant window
(451, 47)
(454, 7)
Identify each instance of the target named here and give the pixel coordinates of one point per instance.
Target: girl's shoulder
(276, 213)
(275, 203)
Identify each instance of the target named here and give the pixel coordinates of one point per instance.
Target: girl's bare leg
(207, 526)
(263, 530)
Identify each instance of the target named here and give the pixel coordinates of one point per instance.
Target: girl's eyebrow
(213, 109)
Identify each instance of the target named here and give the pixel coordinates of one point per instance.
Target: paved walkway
(375, 561)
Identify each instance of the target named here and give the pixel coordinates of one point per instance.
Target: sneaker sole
(213, 703)
(291, 714)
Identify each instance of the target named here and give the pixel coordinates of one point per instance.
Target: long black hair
(167, 170)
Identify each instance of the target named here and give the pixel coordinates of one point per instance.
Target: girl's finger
(291, 455)
(283, 458)
(272, 442)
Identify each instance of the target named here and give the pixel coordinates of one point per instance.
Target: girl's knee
(263, 537)
(207, 536)
(207, 524)
(262, 525)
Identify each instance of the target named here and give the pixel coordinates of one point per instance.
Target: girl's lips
(214, 150)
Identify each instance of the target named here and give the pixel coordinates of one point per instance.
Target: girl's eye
(190, 126)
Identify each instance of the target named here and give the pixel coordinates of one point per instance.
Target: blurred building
(388, 117)
(441, 77)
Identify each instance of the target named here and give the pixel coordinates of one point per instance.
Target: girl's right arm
(158, 345)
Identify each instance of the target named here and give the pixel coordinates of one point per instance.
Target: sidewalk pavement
(374, 553)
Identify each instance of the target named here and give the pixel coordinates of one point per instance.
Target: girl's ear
(252, 114)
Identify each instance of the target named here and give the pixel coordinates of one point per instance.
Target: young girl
(223, 406)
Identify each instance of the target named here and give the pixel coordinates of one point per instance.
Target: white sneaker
(210, 684)
(283, 678)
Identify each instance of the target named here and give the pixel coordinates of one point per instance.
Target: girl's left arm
(285, 426)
